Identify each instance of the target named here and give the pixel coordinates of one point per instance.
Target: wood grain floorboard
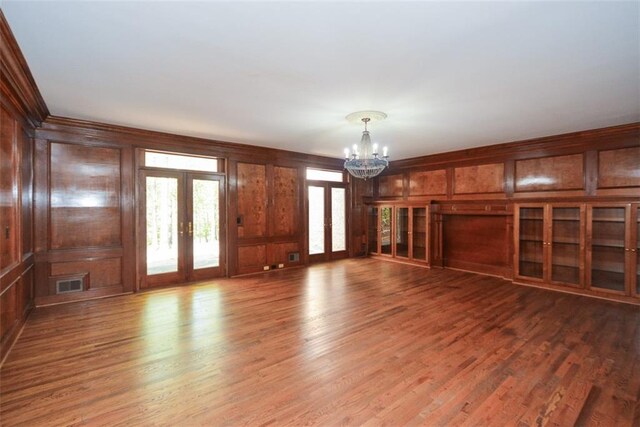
(353, 342)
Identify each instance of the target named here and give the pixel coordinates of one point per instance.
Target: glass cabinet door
(385, 230)
(419, 234)
(566, 228)
(372, 229)
(402, 232)
(608, 248)
(530, 240)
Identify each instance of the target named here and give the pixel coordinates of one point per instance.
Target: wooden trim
(569, 143)
(83, 131)
(17, 81)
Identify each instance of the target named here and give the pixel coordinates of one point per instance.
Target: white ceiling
(450, 75)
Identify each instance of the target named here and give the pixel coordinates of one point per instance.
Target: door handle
(182, 228)
(190, 229)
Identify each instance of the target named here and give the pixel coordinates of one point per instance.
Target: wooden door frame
(328, 254)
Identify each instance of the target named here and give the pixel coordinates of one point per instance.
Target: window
(179, 161)
(324, 175)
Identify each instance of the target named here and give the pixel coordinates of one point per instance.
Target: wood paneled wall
(600, 164)
(21, 111)
(86, 204)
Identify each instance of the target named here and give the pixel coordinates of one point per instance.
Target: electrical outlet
(280, 265)
(265, 268)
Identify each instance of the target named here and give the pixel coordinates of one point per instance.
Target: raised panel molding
(479, 179)
(252, 200)
(390, 185)
(550, 173)
(619, 168)
(286, 201)
(428, 183)
(85, 193)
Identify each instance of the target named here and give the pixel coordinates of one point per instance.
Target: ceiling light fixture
(365, 162)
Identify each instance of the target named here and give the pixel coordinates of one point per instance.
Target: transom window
(324, 175)
(158, 159)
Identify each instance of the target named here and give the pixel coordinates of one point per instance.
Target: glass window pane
(402, 232)
(373, 229)
(419, 236)
(178, 161)
(338, 220)
(531, 239)
(324, 175)
(316, 220)
(385, 230)
(206, 224)
(162, 225)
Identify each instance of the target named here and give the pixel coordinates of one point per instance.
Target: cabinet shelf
(608, 243)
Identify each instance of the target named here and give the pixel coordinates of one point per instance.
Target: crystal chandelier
(365, 161)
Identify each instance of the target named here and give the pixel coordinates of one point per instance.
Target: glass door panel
(385, 230)
(531, 238)
(162, 225)
(338, 220)
(205, 228)
(608, 248)
(565, 245)
(372, 232)
(402, 232)
(316, 220)
(419, 234)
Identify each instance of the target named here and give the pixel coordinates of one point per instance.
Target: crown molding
(17, 83)
(622, 135)
(69, 129)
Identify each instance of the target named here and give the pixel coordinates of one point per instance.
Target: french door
(327, 221)
(181, 227)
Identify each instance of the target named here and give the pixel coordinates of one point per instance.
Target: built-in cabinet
(588, 246)
(400, 232)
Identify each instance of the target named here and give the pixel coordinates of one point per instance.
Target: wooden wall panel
(428, 183)
(477, 243)
(251, 258)
(26, 191)
(8, 310)
(390, 185)
(102, 272)
(85, 196)
(279, 253)
(286, 201)
(252, 199)
(550, 173)
(479, 179)
(9, 233)
(619, 168)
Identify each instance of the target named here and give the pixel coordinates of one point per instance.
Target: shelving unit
(607, 229)
(550, 243)
(401, 232)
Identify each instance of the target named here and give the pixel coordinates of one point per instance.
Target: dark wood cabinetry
(612, 246)
(549, 243)
(399, 231)
(590, 247)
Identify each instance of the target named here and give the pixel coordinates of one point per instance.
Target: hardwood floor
(351, 342)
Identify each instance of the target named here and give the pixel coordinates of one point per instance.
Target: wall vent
(66, 286)
(294, 256)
